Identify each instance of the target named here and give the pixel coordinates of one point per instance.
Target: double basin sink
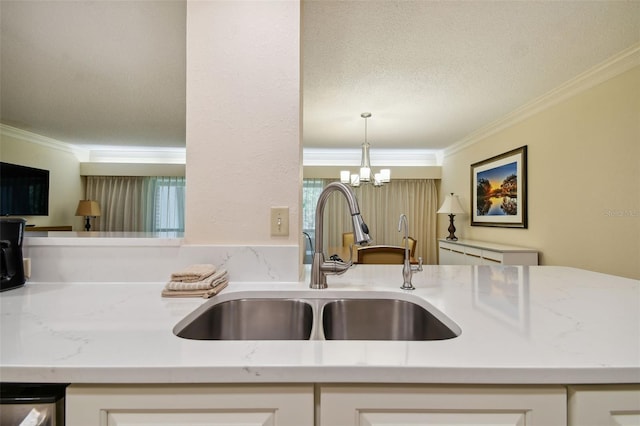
(312, 316)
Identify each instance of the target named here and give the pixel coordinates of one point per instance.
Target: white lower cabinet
(395, 405)
(596, 405)
(352, 405)
(173, 405)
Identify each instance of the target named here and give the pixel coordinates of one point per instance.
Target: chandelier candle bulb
(365, 174)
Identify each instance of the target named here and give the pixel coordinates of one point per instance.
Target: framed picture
(499, 190)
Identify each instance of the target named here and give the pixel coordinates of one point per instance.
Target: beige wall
(584, 179)
(65, 184)
(243, 115)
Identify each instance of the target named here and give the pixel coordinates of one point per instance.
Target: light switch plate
(279, 221)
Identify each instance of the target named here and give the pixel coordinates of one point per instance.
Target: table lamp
(88, 209)
(451, 206)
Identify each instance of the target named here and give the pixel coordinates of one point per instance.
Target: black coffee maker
(12, 268)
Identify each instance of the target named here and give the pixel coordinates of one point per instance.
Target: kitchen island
(520, 325)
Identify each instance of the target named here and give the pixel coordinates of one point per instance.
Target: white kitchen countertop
(529, 325)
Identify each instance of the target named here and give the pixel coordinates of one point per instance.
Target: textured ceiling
(430, 72)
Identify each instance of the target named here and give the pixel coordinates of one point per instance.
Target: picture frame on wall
(499, 190)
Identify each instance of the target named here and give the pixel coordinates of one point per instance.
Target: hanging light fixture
(365, 175)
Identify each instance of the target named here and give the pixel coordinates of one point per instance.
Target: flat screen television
(24, 191)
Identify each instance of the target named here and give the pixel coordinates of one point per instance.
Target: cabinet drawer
(492, 256)
(473, 252)
(449, 257)
(449, 246)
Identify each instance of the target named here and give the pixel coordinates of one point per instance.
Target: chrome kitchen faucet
(407, 269)
(321, 268)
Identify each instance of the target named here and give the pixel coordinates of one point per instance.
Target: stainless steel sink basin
(251, 319)
(314, 316)
(381, 319)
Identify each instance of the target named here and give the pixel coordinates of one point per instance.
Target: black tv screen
(24, 191)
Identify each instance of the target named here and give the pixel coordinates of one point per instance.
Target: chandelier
(365, 175)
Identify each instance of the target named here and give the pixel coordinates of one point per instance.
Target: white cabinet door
(452, 257)
(378, 405)
(177, 405)
(604, 405)
(448, 258)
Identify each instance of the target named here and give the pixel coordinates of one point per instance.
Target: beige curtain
(381, 208)
(138, 203)
(121, 201)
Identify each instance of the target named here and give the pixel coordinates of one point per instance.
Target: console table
(469, 252)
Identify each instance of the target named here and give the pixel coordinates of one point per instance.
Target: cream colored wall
(584, 179)
(65, 184)
(243, 115)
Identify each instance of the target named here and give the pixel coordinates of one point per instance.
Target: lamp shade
(88, 208)
(451, 205)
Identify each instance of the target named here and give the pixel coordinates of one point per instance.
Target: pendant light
(365, 174)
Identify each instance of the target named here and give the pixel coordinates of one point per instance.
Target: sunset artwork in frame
(499, 190)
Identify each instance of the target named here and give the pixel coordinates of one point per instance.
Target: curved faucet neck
(322, 201)
(404, 222)
(319, 268)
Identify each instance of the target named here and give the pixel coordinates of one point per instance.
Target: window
(138, 203)
(169, 204)
(311, 189)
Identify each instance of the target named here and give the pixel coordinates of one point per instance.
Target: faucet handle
(419, 267)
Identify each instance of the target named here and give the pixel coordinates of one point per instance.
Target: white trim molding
(616, 65)
(13, 132)
(102, 154)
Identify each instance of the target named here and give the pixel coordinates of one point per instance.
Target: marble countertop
(529, 325)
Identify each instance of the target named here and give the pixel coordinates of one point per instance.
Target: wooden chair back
(381, 255)
(412, 246)
(347, 239)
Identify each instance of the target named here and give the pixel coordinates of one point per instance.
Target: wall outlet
(279, 221)
(26, 263)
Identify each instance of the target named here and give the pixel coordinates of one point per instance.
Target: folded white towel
(195, 293)
(219, 277)
(194, 273)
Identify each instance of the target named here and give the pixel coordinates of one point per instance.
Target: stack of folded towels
(200, 280)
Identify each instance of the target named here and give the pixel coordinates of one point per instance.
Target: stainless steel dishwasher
(30, 404)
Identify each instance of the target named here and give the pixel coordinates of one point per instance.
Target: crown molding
(139, 155)
(616, 65)
(80, 153)
(101, 154)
